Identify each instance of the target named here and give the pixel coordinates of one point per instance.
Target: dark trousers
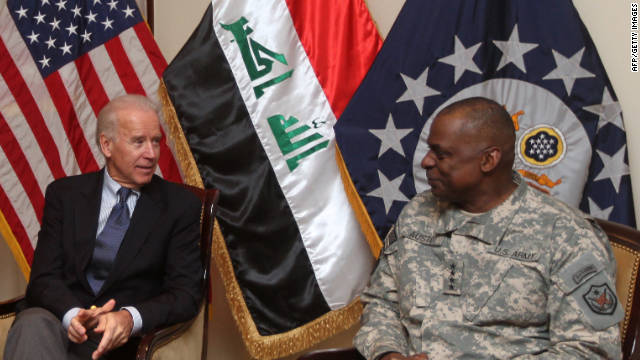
(38, 334)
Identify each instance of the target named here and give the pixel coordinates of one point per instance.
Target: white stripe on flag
(19, 199)
(338, 252)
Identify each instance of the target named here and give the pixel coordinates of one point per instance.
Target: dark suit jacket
(157, 269)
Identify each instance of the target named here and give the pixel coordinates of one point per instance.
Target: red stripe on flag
(168, 164)
(125, 70)
(91, 83)
(16, 226)
(354, 43)
(21, 167)
(151, 48)
(29, 108)
(70, 122)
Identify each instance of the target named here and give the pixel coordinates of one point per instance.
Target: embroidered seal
(542, 146)
(600, 299)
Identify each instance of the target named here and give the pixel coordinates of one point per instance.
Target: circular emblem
(541, 146)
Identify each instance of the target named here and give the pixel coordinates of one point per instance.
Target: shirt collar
(112, 186)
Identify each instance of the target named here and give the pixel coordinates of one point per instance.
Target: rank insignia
(600, 299)
(542, 146)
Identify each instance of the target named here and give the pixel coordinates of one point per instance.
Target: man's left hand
(115, 328)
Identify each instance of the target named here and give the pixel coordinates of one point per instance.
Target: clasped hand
(115, 327)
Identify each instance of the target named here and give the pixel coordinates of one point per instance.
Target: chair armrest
(8, 307)
(333, 354)
(160, 337)
(165, 337)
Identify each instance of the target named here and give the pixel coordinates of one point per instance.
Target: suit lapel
(148, 210)
(86, 211)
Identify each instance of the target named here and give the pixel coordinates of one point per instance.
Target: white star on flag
(462, 59)
(390, 137)
(128, 12)
(21, 13)
(112, 5)
(609, 111)
(55, 24)
(50, 43)
(39, 18)
(417, 89)
(389, 191)
(91, 17)
(76, 11)
(66, 49)
(61, 5)
(596, 211)
(44, 61)
(33, 37)
(513, 50)
(86, 37)
(72, 29)
(107, 23)
(568, 69)
(614, 167)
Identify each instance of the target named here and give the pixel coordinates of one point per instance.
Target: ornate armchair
(625, 242)
(186, 340)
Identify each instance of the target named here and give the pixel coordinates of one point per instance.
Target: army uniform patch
(600, 299)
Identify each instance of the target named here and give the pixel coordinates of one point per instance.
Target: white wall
(608, 24)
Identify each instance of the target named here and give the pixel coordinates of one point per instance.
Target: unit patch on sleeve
(600, 299)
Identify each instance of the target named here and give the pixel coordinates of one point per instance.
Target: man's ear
(105, 145)
(490, 159)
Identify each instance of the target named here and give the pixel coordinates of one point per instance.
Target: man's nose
(149, 150)
(428, 161)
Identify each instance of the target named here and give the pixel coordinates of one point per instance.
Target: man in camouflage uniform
(484, 267)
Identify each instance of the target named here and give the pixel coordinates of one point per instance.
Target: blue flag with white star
(534, 57)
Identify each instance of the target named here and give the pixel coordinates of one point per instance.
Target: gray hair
(108, 116)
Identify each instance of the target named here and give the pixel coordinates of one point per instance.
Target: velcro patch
(599, 302)
(601, 299)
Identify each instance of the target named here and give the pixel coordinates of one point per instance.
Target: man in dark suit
(117, 253)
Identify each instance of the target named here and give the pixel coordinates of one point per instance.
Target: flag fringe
(12, 243)
(284, 344)
(184, 157)
(369, 231)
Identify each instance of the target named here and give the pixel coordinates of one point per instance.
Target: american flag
(60, 63)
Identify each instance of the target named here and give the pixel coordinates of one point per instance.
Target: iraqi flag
(257, 89)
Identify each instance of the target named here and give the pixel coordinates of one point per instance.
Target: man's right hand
(398, 356)
(87, 319)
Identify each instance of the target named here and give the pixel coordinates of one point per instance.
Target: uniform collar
(488, 227)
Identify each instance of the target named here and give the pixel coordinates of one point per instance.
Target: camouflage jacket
(532, 278)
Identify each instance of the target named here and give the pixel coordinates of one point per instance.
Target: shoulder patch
(601, 299)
